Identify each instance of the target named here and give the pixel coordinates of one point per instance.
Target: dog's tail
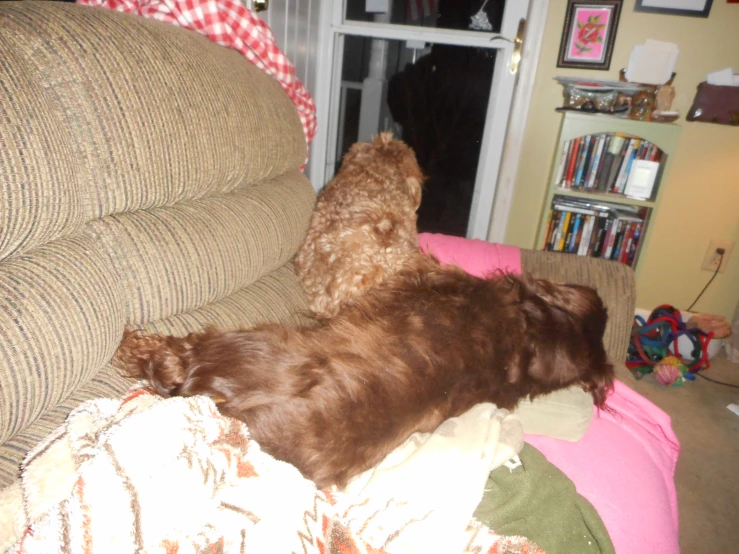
(163, 361)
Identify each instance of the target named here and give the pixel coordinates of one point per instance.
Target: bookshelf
(605, 186)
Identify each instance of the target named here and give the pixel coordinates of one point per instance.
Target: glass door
(438, 74)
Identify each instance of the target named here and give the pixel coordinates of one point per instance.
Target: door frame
(499, 155)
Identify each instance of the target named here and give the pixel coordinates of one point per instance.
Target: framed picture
(589, 34)
(694, 8)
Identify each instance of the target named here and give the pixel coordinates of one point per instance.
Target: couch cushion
(174, 259)
(613, 281)
(276, 297)
(61, 319)
(91, 126)
(30, 123)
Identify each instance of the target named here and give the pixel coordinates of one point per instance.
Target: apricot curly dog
(363, 227)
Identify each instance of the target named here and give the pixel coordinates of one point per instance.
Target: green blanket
(537, 501)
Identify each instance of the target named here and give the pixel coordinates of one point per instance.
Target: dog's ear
(414, 177)
(577, 301)
(567, 322)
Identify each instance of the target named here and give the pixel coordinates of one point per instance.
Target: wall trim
(517, 120)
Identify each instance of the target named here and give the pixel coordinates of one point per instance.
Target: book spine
(604, 236)
(617, 162)
(628, 237)
(573, 160)
(650, 151)
(618, 241)
(602, 163)
(576, 230)
(562, 230)
(611, 239)
(568, 233)
(588, 160)
(624, 163)
(656, 154)
(582, 249)
(634, 244)
(596, 161)
(555, 226)
(562, 164)
(596, 242)
(627, 172)
(581, 161)
(641, 152)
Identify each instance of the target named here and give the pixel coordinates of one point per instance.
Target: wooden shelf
(610, 197)
(574, 125)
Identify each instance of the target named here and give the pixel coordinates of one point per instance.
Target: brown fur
(363, 227)
(335, 398)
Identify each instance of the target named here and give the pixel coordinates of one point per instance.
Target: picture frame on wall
(692, 8)
(589, 34)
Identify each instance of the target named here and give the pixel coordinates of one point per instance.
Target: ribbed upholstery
(107, 383)
(179, 258)
(29, 123)
(148, 178)
(275, 297)
(146, 113)
(61, 319)
(613, 281)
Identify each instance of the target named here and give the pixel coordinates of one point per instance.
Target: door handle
(517, 47)
(261, 5)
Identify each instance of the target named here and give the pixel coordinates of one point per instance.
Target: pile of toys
(654, 347)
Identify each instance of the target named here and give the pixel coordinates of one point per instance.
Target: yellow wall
(700, 198)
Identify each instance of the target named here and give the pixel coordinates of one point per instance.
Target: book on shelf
(641, 180)
(593, 228)
(629, 154)
(604, 163)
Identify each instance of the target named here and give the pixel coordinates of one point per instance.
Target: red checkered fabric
(230, 24)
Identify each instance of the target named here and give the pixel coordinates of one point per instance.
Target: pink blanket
(625, 467)
(625, 463)
(476, 257)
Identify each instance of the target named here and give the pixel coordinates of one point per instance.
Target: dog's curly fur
(335, 398)
(363, 227)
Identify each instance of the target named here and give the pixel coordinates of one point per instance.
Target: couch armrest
(614, 282)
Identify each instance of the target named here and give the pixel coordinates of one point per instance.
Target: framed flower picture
(589, 34)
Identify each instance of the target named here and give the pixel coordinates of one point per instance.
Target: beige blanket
(149, 474)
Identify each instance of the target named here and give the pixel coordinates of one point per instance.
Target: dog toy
(655, 339)
(670, 372)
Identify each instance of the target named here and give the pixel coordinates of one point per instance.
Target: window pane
(443, 14)
(436, 100)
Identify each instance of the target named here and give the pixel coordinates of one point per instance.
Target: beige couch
(150, 178)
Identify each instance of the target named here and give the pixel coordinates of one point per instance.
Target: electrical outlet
(712, 259)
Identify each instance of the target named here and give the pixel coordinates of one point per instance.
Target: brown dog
(363, 227)
(428, 344)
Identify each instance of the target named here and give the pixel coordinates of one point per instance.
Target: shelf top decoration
(597, 96)
(638, 101)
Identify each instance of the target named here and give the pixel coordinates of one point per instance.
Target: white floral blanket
(146, 474)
